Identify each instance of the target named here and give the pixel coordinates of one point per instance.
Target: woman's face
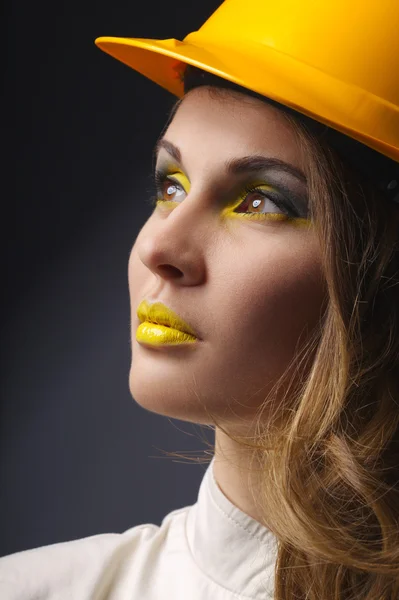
(250, 287)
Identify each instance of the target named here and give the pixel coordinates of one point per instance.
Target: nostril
(169, 271)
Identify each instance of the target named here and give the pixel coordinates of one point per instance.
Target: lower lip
(152, 334)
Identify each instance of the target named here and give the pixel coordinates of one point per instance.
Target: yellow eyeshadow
(258, 216)
(181, 178)
(297, 222)
(167, 203)
(228, 211)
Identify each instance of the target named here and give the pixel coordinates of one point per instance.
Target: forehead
(233, 124)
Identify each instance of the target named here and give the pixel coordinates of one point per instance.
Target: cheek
(137, 275)
(268, 308)
(293, 294)
(133, 263)
(259, 326)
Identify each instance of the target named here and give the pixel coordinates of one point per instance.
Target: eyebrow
(245, 164)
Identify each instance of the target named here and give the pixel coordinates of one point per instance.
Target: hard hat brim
(342, 106)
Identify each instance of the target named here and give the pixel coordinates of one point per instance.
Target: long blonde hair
(335, 476)
(330, 465)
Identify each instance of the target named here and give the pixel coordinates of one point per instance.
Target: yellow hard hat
(334, 61)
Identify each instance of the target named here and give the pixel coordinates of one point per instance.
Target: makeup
(285, 177)
(172, 185)
(162, 327)
(297, 222)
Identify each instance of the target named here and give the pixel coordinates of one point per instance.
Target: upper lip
(157, 312)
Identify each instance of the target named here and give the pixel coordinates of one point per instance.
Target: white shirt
(208, 551)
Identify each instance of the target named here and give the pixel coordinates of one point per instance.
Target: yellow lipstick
(161, 326)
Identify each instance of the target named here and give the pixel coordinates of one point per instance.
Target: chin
(166, 395)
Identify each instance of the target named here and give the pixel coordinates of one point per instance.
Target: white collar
(229, 546)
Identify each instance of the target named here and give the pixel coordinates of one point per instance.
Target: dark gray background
(78, 456)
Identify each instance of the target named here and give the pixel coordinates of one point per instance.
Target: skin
(250, 288)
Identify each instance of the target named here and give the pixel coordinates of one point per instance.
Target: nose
(172, 245)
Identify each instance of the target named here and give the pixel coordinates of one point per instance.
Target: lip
(157, 313)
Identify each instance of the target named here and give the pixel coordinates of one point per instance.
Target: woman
(265, 302)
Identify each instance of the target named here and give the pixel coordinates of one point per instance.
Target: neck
(236, 473)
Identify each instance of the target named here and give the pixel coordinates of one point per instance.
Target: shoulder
(88, 567)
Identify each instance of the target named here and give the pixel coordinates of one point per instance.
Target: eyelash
(160, 177)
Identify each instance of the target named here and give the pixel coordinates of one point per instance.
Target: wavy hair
(330, 465)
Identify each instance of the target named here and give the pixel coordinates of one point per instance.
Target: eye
(167, 189)
(255, 200)
(170, 190)
(252, 200)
